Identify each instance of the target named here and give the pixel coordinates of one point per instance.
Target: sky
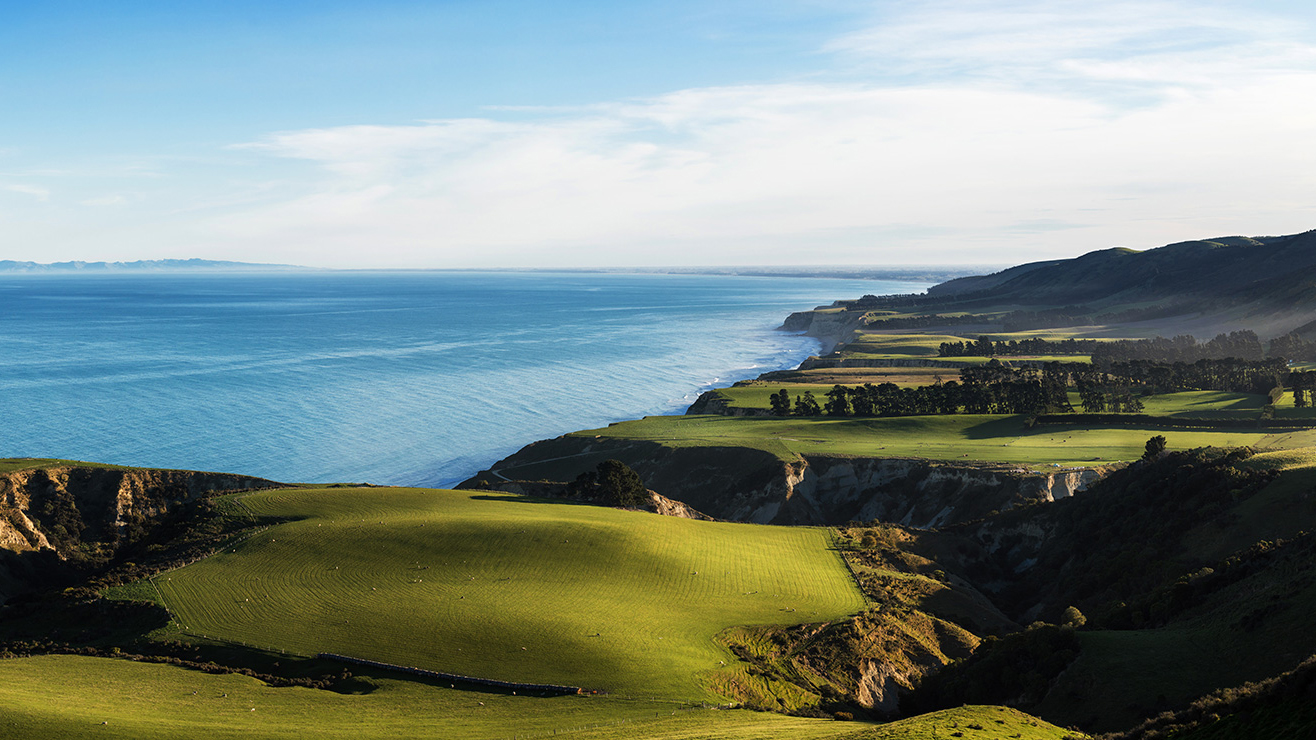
(503, 133)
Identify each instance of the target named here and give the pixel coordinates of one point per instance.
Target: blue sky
(463, 134)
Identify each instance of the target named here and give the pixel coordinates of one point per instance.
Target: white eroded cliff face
(831, 327)
(917, 493)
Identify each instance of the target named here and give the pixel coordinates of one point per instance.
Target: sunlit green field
(1003, 439)
(1194, 404)
(497, 586)
(80, 697)
(75, 697)
(909, 345)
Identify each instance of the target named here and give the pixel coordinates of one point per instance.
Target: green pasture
(1285, 409)
(987, 438)
(1204, 404)
(756, 396)
(906, 345)
(81, 697)
(880, 346)
(493, 585)
(1198, 404)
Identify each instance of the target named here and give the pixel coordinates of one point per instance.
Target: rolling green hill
(79, 697)
(498, 586)
(989, 438)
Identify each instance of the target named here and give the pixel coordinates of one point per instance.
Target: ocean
(402, 378)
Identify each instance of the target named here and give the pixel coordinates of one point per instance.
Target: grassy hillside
(80, 697)
(76, 697)
(1004, 439)
(497, 586)
(1192, 571)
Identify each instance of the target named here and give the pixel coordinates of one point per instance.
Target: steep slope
(58, 519)
(748, 485)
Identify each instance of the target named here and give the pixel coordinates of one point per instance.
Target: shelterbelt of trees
(995, 388)
(1243, 345)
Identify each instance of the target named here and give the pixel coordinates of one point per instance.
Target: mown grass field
(900, 345)
(987, 438)
(497, 586)
(1196, 404)
(71, 696)
(829, 376)
(81, 697)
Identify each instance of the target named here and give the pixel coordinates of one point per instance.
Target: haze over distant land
(137, 266)
(397, 134)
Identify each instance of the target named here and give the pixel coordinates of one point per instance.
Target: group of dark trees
(1242, 345)
(986, 347)
(1229, 374)
(987, 389)
(1291, 346)
(996, 388)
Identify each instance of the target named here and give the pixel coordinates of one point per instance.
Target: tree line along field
(1190, 404)
(83, 697)
(984, 438)
(497, 586)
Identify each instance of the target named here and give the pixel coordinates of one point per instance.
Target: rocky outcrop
(916, 493)
(743, 484)
(58, 508)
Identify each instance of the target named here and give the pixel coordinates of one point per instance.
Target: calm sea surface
(394, 378)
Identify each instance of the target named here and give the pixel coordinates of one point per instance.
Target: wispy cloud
(1036, 43)
(983, 133)
(966, 131)
(36, 191)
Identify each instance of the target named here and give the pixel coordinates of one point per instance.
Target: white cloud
(968, 131)
(705, 175)
(36, 191)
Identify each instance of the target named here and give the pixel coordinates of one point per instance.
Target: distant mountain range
(190, 265)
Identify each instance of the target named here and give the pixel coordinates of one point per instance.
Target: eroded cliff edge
(58, 519)
(749, 485)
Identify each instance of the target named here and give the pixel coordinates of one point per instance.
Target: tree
(838, 401)
(807, 405)
(1072, 617)
(781, 403)
(1155, 446)
(613, 481)
(620, 485)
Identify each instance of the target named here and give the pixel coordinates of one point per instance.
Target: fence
(455, 676)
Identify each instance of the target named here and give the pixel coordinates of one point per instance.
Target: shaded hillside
(1194, 573)
(1280, 708)
(1238, 268)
